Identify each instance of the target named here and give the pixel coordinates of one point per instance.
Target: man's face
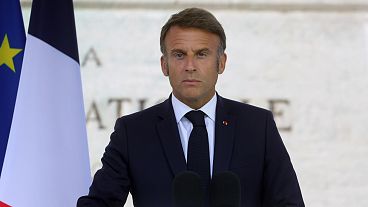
(192, 64)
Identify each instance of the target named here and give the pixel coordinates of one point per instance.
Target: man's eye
(178, 55)
(202, 54)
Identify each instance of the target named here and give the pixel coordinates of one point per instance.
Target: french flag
(46, 162)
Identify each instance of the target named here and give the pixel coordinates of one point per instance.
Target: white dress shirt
(185, 126)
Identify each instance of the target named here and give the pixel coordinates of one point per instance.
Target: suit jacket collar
(224, 136)
(170, 139)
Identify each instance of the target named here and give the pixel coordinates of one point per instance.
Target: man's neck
(195, 103)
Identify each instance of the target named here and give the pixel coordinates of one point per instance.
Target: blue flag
(12, 40)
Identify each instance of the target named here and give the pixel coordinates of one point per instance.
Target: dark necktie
(198, 159)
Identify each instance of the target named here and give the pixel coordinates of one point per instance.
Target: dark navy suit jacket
(145, 154)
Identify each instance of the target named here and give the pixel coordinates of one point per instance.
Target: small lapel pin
(225, 122)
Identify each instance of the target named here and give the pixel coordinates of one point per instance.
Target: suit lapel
(170, 138)
(224, 137)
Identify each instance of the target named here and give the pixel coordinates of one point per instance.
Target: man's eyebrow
(196, 51)
(203, 50)
(177, 51)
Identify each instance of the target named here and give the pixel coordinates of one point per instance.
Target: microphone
(187, 190)
(225, 190)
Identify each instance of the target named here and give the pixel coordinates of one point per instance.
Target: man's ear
(164, 66)
(222, 63)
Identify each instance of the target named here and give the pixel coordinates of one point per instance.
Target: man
(149, 148)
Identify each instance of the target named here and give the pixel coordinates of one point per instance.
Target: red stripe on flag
(3, 204)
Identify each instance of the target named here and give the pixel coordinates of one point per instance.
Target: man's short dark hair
(194, 18)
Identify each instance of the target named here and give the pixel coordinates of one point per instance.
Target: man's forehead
(190, 38)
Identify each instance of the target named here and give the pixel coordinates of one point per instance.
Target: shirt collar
(180, 109)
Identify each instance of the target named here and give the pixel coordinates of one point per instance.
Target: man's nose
(190, 65)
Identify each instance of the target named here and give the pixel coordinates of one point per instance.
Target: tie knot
(196, 117)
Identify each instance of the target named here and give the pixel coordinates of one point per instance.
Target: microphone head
(225, 190)
(187, 190)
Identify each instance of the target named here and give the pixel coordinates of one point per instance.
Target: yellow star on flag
(7, 54)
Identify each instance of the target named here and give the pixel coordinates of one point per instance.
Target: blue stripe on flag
(52, 29)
